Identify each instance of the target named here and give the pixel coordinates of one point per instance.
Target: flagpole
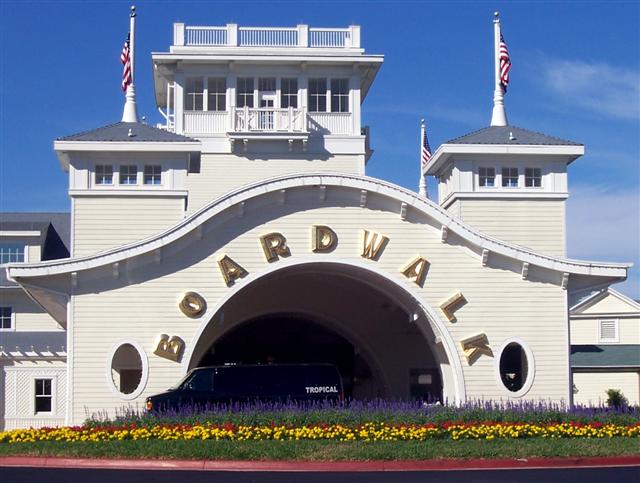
(130, 112)
(423, 182)
(499, 115)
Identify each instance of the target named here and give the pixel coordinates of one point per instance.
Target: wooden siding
(536, 224)
(105, 222)
(143, 302)
(29, 316)
(586, 331)
(591, 386)
(609, 304)
(220, 174)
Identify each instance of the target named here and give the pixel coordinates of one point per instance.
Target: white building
(245, 230)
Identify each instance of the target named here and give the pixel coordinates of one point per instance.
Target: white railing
(267, 37)
(205, 122)
(205, 35)
(268, 120)
(331, 122)
(333, 38)
(300, 36)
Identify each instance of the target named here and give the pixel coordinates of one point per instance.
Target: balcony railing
(266, 121)
(231, 35)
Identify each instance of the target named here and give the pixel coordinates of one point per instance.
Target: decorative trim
(485, 257)
(403, 211)
(525, 270)
(159, 193)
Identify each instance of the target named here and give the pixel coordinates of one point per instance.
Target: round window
(514, 367)
(126, 369)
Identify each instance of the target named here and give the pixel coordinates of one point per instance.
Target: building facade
(244, 230)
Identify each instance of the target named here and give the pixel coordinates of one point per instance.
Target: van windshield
(198, 381)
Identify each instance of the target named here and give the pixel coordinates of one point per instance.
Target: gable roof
(504, 135)
(593, 356)
(119, 132)
(597, 297)
(54, 238)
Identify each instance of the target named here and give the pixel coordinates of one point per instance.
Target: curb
(322, 466)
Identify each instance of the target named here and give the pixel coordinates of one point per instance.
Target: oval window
(126, 369)
(514, 367)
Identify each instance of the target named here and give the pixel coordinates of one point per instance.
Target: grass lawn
(328, 450)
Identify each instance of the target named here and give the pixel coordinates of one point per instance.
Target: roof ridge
(544, 139)
(149, 130)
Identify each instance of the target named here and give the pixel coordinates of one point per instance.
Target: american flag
(425, 149)
(125, 58)
(505, 64)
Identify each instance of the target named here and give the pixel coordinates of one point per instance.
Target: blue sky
(575, 75)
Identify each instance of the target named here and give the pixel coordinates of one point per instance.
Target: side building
(33, 345)
(605, 347)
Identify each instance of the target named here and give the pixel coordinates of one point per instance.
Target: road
(72, 475)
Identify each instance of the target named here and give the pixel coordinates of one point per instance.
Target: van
(248, 383)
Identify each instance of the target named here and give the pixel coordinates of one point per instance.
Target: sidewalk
(334, 466)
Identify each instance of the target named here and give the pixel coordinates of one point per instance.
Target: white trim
(531, 367)
(19, 233)
(444, 152)
(502, 193)
(145, 369)
(449, 345)
(342, 181)
(136, 190)
(126, 146)
(597, 297)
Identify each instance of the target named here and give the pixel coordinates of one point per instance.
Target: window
(216, 94)
(267, 84)
(12, 252)
(126, 369)
(152, 174)
(289, 93)
(608, 331)
(194, 94)
(128, 174)
(317, 95)
(6, 319)
(514, 367)
(339, 95)
(487, 177)
(509, 177)
(104, 174)
(43, 396)
(244, 92)
(532, 177)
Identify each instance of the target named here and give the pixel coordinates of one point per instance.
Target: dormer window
(288, 93)
(128, 174)
(532, 177)
(12, 252)
(487, 177)
(509, 177)
(104, 174)
(244, 92)
(339, 95)
(317, 95)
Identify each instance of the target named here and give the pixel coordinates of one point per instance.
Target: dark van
(246, 383)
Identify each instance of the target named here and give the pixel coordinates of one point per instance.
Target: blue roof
(128, 132)
(510, 135)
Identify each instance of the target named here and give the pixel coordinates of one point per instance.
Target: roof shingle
(510, 135)
(120, 132)
(593, 356)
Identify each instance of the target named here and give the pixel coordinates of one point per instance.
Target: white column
(499, 115)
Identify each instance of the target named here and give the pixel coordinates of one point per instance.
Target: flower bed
(328, 432)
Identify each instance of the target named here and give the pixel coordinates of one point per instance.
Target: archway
(358, 311)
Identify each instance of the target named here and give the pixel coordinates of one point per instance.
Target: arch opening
(373, 330)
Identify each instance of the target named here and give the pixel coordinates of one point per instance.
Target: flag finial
(425, 156)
